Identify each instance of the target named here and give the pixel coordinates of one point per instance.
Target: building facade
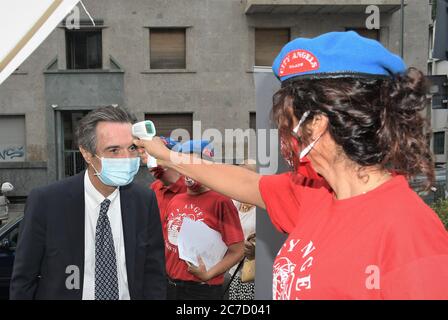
(438, 72)
(174, 62)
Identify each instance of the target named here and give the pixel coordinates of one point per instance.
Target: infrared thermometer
(145, 130)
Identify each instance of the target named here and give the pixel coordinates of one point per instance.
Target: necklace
(244, 207)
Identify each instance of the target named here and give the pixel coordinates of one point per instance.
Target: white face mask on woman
(310, 147)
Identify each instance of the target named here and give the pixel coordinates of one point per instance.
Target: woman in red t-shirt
(356, 230)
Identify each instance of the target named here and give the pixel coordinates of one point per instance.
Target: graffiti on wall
(12, 153)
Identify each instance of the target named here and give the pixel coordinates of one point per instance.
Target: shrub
(441, 208)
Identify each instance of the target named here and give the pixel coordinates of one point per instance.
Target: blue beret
(200, 147)
(336, 55)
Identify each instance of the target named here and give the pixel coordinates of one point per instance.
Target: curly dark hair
(374, 121)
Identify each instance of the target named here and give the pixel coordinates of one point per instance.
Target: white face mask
(117, 172)
(310, 147)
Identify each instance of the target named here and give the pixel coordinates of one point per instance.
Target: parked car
(8, 243)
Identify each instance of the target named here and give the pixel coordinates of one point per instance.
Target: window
(439, 143)
(84, 49)
(10, 238)
(438, 91)
(167, 48)
(12, 142)
(165, 123)
(252, 120)
(13, 237)
(268, 43)
(430, 41)
(367, 33)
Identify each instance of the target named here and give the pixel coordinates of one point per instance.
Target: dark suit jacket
(51, 239)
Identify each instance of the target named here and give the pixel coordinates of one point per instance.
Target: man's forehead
(114, 133)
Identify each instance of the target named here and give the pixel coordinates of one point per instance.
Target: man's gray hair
(86, 130)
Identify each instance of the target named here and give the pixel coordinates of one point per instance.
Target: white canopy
(24, 25)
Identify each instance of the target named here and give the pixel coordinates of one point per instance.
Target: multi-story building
(438, 73)
(171, 61)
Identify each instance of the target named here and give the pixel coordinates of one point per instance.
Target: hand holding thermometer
(145, 130)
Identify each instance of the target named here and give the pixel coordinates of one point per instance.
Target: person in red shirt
(168, 183)
(199, 203)
(356, 230)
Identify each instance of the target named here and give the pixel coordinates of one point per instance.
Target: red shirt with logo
(385, 244)
(164, 193)
(215, 210)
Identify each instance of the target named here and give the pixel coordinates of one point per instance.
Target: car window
(13, 237)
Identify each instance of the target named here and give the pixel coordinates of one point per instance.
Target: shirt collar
(178, 185)
(94, 195)
(174, 187)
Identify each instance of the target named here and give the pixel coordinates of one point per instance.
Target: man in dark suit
(96, 235)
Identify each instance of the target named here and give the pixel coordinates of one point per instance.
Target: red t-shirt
(164, 194)
(215, 210)
(385, 244)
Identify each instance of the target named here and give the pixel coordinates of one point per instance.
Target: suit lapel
(129, 232)
(76, 225)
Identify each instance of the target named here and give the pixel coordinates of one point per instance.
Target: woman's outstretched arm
(232, 181)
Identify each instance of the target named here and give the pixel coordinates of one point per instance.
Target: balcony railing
(318, 6)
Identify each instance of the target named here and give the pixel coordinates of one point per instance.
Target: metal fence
(74, 162)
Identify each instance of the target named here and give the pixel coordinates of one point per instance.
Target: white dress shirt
(93, 200)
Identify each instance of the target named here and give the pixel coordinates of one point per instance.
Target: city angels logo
(283, 278)
(292, 270)
(298, 61)
(176, 218)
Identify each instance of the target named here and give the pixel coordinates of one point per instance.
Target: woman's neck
(347, 182)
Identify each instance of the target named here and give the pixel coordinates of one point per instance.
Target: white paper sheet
(197, 239)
